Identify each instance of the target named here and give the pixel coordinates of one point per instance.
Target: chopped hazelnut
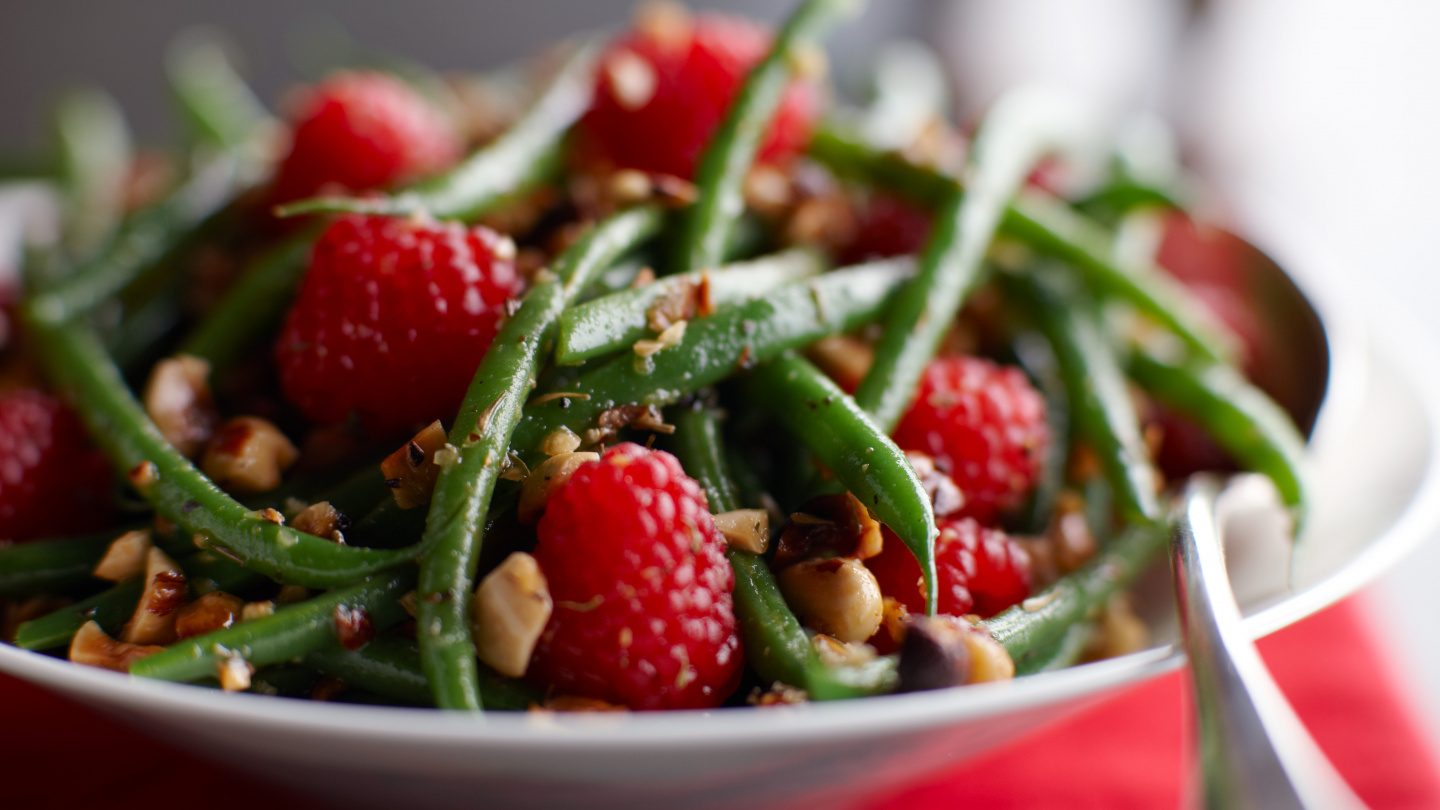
(320, 519)
(257, 610)
(829, 526)
(248, 455)
(92, 647)
(838, 597)
(410, 472)
(548, 476)
(510, 609)
(177, 398)
(154, 619)
(745, 529)
(234, 673)
(216, 610)
(125, 558)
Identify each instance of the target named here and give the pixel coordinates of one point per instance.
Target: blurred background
(1321, 111)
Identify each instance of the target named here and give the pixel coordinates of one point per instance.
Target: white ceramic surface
(1378, 488)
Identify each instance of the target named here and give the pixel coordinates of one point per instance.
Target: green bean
(613, 323)
(110, 608)
(855, 449)
(1032, 631)
(1240, 417)
(219, 109)
(291, 632)
(526, 156)
(1064, 653)
(207, 571)
(715, 347)
(254, 306)
(78, 366)
(720, 176)
(390, 667)
(50, 566)
(1021, 129)
(95, 155)
(1035, 356)
(1048, 226)
(1095, 387)
(482, 431)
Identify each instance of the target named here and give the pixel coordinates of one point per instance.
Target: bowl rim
(1350, 351)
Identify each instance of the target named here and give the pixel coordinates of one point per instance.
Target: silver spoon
(1254, 750)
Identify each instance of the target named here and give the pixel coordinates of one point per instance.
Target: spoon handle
(1254, 750)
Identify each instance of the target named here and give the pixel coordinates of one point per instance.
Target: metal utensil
(1254, 750)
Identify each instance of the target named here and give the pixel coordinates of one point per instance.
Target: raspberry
(391, 320)
(985, 427)
(643, 608)
(362, 131)
(52, 480)
(887, 226)
(660, 95)
(978, 569)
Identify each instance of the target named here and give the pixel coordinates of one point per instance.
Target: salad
(647, 376)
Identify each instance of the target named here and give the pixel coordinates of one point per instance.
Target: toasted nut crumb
(673, 305)
(629, 186)
(838, 597)
(632, 79)
(768, 191)
(551, 474)
(945, 496)
(447, 456)
(249, 455)
(835, 653)
(675, 192)
(320, 519)
(509, 611)
(1069, 532)
(143, 475)
(808, 62)
(257, 610)
(672, 335)
(988, 659)
(353, 627)
(895, 615)
(575, 703)
(515, 468)
(154, 619)
(777, 695)
(178, 400)
(407, 602)
(93, 648)
(843, 358)
(290, 594)
(125, 558)
(560, 441)
(234, 673)
(745, 529)
(409, 471)
(829, 526)
(213, 611)
(271, 515)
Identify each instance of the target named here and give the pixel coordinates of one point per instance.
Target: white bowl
(840, 752)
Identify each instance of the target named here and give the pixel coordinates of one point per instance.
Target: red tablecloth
(1133, 751)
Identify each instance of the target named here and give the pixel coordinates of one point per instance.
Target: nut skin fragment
(177, 398)
(509, 611)
(410, 472)
(93, 648)
(353, 627)
(838, 597)
(165, 589)
(248, 455)
(125, 558)
(747, 530)
(550, 474)
(216, 610)
(829, 526)
(234, 673)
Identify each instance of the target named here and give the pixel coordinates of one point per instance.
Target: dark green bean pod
(1022, 128)
(77, 365)
(390, 667)
(1240, 417)
(95, 153)
(717, 346)
(1034, 355)
(1032, 631)
(613, 323)
(1045, 225)
(856, 450)
(482, 431)
(61, 565)
(720, 177)
(1095, 387)
(291, 632)
(110, 608)
(529, 154)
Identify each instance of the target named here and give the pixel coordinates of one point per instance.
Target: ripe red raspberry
(643, 608)
(984, 425)
(391, 320)
(362, 131)
(52, 480)
(661, 94)
(979, 570)
(887, 226)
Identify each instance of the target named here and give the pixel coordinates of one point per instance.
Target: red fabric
(1132, 751)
